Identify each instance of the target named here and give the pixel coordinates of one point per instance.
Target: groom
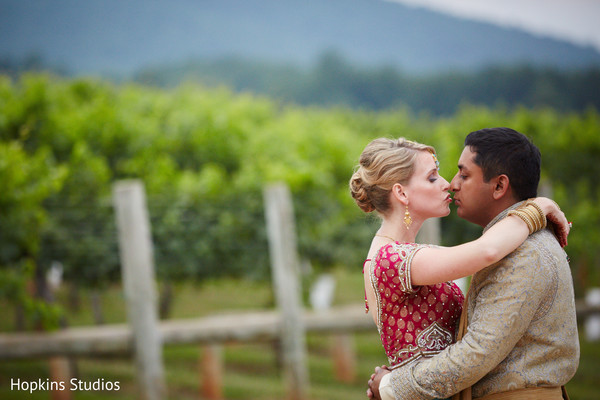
(521, 341)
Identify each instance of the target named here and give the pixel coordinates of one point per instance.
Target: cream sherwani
(522, 329)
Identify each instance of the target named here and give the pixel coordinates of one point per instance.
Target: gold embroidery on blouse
(430, 341)
(405, 266)
(403, 274)
(376, 291)
(434, 337)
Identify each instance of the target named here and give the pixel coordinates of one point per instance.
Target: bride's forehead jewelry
(437, 163)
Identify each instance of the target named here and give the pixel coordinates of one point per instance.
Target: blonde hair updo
(383, 163)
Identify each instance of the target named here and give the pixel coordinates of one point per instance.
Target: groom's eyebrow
(463, 169)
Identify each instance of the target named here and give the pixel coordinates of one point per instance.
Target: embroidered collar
(502, 215)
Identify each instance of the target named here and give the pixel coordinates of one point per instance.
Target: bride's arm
(435, 265)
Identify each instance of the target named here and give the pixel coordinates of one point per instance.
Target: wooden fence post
(60, 366)
(344, 357)
(212, 371)
(342, 343)
(137, 265)
(60, 371)
(285, 271)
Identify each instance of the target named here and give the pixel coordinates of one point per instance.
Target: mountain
(120, 37)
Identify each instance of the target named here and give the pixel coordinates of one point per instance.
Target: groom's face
(472, 196)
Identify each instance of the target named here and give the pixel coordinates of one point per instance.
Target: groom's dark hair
(506, 151)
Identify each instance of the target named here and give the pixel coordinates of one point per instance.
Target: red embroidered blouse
(413, 322)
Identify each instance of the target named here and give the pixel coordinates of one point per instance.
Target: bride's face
(427, 191)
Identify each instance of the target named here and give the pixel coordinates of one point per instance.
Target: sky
(576, 21)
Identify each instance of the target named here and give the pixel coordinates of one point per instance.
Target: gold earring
(407, 218)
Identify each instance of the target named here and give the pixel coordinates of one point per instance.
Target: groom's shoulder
(539, 251)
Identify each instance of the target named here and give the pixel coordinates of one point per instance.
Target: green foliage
(27, 180)
(14, 290)
(334, 81)
(82, 233)
(205, 156)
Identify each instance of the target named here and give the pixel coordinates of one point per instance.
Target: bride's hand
(555, 216)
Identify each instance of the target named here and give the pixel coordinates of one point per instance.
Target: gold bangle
(542, 215)
(533, 214)
(539, 217)
(532, 218)
(524, 217)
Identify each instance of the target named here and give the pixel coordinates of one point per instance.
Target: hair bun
(360, 194)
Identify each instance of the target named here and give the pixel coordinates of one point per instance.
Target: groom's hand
(373, 391)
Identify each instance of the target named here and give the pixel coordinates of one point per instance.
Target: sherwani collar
(502, 215)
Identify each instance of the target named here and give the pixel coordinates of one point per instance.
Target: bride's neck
(397, 231)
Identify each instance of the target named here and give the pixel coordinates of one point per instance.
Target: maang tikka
(407, 218)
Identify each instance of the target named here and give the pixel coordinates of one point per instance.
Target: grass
(251, 371)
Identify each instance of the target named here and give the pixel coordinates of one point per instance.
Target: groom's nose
(454, 186)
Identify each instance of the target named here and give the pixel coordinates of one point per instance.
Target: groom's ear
(501, 186)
